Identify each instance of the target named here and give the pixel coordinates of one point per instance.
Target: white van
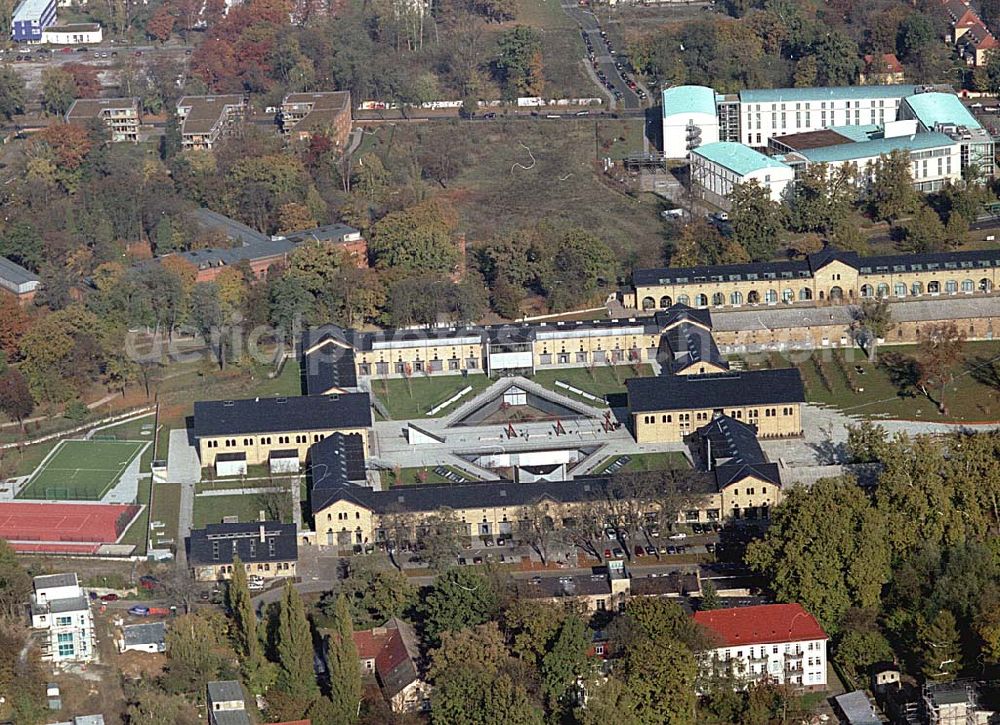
(672, 213)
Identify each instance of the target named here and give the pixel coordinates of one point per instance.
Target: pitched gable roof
(764, 624)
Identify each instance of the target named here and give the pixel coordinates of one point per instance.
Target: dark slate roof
(730, 441)
(331, 367)
(683, 313)
(726, 475)
(43, 581)
(214, 257)
(245, 539)
(765, 271)
(225, 691)
(279, 415)
(721, 273)
(674, 583)
(237, 231)
(15, 273)
(335, 461)
(717, 390)
(148, 633)
(685, 345)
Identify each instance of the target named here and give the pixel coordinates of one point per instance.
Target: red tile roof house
(782, 642)
(390, 653)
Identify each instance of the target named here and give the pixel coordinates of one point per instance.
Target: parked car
(710, 547)
(607, 553)
(671, 549)
(678, 536)
(639, 551)
(618, 553)
(651, 550)
(139, 611)
(109, 598)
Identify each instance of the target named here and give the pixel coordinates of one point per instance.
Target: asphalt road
(605, 61)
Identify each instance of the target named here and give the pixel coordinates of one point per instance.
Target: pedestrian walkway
(183, 464)
(126, 490)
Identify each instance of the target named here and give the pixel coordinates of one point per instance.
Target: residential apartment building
(267, 549)
(717, 168)
(255, 428)
(205, 119)
(767, 113)
(828, 276)
(30, 19)
(122, 115)
(61, 618)
(690, 120)
(935, 158)
(781, 642)
(390, 654)
(883, 69)
(304, 114)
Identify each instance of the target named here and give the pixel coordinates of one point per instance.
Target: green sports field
(78, 470)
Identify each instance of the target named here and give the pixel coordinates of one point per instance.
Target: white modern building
(61, 618)
(945, 113)
(782, 642)
(78, 34)
(690, 119)
(718, 167)
(935, 158)
(766, 113)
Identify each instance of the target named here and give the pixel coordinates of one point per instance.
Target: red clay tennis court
(39, 524)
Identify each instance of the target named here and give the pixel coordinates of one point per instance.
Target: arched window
(665, 302)
(985, 285)
(951, 286)
(701, 300)
(805, 294)
(882, 290)
(899, 289)
(648, 303)
(933, 287)
(788, 296)
(771, 297)
(718, 299)
(683, 299)
(968, 286)
(866, 290)
(916, 289)
(736, 298)
(753, 298)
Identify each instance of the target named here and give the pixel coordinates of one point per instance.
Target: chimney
(262, 533)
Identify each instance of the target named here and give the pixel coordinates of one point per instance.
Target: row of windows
(266, 440)
(951, 286)
(278, 566)
(685, 418)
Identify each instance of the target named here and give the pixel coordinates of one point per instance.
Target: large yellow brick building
(827, 277)
(669, 408)
(256, 428)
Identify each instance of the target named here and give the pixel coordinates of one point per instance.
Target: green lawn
(288, 383)
(650, 462)
(166, 510)
(21, 462)
(211, 509)
(138, 429)
(601, 381)
(414, 397)
(412, 476)
(81, 470)
(850, 382)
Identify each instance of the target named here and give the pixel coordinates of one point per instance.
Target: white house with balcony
(61, 618)
(781, 642)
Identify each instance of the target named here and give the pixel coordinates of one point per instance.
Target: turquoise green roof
(830, 93)
(875, 148)
(688, 99)
(934, 108)
(738, 158)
